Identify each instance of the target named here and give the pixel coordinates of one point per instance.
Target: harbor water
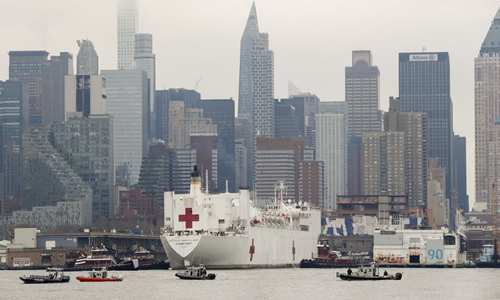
(293, 283)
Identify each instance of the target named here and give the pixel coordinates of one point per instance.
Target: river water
(263, 284)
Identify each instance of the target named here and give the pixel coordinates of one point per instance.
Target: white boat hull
(272, 248)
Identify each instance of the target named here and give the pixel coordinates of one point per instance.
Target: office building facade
(26, 67)
(424, 86)
(487, 111)
(127, 103)
(127, 27)
(54, 72)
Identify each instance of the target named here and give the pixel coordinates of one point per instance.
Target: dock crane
(494, 223)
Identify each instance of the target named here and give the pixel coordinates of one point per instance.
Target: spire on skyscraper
(252, 26)
(491, 43)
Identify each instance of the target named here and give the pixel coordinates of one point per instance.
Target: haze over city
(197, 42)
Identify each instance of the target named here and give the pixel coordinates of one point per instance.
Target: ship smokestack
(195, 183)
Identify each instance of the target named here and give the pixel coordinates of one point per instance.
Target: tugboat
(368, 273)
(142, 259)
(100, 257)
(99, 276)
(195, 273)
(327, 258)
(56, 275)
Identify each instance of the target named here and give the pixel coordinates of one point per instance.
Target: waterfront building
(221, 112)
(145, 60)
(53, 84)
(12, 170)
(127, 102)
(487, 112)
(330, 149)
(256, 83)
(424, 86)
(87, 60)
(127, 27)
(26, 67)
(414, 127)
(312, 182)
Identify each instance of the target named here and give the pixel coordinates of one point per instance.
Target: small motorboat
(195, 273)
(368, 273)
(99, 276)
(56, 275)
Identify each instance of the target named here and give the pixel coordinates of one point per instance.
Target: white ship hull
(272, 248)
(227, 231)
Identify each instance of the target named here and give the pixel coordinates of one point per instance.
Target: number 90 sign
(435, 254)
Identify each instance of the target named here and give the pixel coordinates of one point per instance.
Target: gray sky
(312, 41)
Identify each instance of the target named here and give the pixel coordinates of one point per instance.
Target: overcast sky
(312, 41)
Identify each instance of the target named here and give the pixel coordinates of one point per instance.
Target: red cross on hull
(189, 218)
(252, 251)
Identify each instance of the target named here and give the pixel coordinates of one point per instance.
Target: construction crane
(494, 222)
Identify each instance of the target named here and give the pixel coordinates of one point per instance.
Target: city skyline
(312, 43)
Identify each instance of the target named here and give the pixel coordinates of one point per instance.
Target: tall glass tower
(128, 22)
(256, 91)
(424, 86)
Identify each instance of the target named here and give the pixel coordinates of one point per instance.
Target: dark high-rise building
(163, 99)
(222, 114)
(12, 172)
(154, 176)
(26, 66)
(306, 107)
(206, 158)
(286, 122)
(460, 167)
(14, 113)
(53, 74)
(424, 86)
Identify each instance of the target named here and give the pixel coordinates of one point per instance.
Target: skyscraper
(26, 66)
(424, 86)
(145, 60)
(222, 114)
(128, 23)
(256, 90)
(127, 102)
(87, 61)
(460, 163)
(14, 113)
(362, 94)
(84, 95)
(487, 112)
(330, 148)
(414, 127)
(53, 73)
